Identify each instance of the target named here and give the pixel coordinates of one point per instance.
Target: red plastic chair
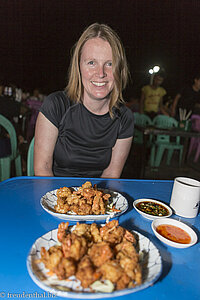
(195, 142)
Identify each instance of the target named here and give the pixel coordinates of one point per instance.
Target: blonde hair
(74, 87)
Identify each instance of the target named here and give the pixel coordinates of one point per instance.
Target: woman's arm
(45, 139)
(119, 155)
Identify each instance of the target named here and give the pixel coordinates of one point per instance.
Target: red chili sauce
(174, 233)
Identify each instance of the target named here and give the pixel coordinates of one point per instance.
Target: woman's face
(96, 69)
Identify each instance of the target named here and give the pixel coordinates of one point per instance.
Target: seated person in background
(188, 98)
(9, 108)
(86, 130)
(133, 104)
(151, 101)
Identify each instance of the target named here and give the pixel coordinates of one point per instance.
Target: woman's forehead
(96, 46)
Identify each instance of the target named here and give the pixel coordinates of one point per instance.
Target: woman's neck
(97, 107)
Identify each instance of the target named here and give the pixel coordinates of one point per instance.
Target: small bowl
(149, 216)
(178, 224)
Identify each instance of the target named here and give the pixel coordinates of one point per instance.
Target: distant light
(151, 71)
(156, 69)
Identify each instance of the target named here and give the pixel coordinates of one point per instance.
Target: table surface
(168, 131)
(23, 221)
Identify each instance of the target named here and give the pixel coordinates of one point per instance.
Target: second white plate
(49, 200)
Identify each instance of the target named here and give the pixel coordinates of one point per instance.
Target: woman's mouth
(98, 83)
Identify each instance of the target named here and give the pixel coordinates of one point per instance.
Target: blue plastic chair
(5, 162)
(162, 142)
(143, 121)
(30, 159)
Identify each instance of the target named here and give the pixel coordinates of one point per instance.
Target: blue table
(23, 220)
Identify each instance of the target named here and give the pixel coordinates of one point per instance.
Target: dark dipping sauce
(174, 233)
(152, 208)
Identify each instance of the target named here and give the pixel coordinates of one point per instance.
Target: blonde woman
(86, 130)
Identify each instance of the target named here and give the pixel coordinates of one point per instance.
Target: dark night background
(36, 38)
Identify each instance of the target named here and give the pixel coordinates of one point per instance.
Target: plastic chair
(30, 159)
(140, 120)
(163, 142)
(195, 142)
(5, 162)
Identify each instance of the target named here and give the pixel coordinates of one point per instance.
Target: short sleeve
(127, 124)
(54, 107)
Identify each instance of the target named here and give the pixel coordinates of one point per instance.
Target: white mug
(185, 197)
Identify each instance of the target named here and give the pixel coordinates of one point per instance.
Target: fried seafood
(66, 268)
(74, 246)
(112, 233)
(95, 254)
(62, 231)
(100, 253)
(87, 200)
(87, 273)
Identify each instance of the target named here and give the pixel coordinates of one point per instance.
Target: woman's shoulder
(123, 108)
(54, 106)
(58, 96)
(124, 112)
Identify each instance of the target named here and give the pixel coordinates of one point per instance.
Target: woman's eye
(109, 64)
(91, 63)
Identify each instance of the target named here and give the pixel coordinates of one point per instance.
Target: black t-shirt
(85, 140)
(188, 98)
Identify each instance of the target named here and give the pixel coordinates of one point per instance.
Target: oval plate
(49, 200)
(148, 216)
(151, 264)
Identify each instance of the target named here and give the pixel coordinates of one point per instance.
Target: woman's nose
(101, 71)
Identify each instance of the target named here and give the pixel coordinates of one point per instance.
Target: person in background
(10, 109)
(188, 98)
(151, 101)
(133, 104)
(86, 130)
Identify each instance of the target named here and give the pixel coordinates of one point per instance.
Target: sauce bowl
(154, 202)
(178, 224)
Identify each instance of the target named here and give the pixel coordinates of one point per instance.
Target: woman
(86, 130)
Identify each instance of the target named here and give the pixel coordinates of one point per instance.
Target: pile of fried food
(94, 253)
(87, 200)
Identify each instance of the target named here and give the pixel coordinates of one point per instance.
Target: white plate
(49, 200)
(148, 216)
(151, 264)
(179, 224)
